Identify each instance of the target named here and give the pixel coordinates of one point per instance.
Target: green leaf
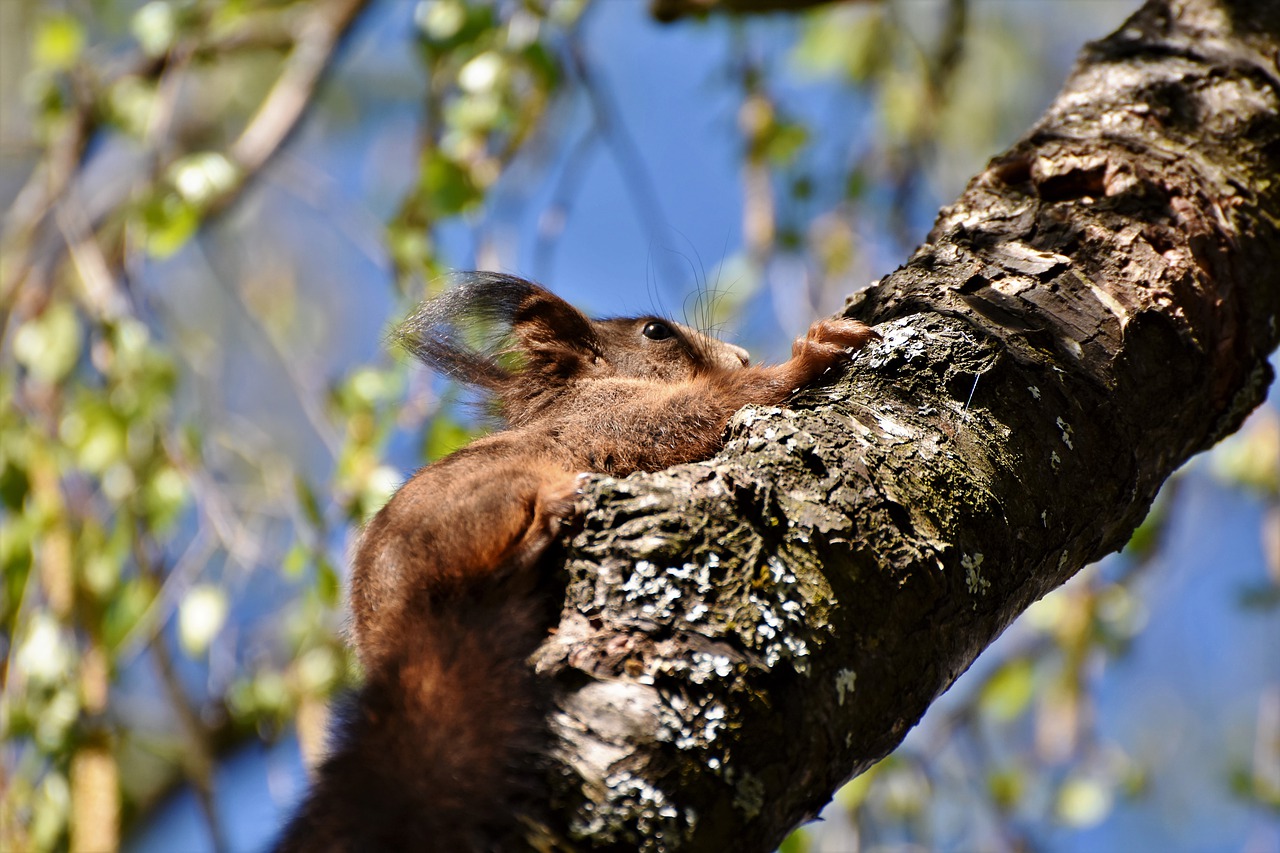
(14, 484)
(444, 436)
(96, 434)
(168, 223)
(203, 177)
(16, 559)
(164, 497)
(319, 670)
(1007, 693)
(59, 41)
(131, 101)
(48, 346)
(447, 186)
(1006, 787)
(857, 43)
(785, 142)
(1083, 802)
(295, 561)
(327, 584)
(131, 600)
(308, 502)
(45, 654)
(379, 486)
(154, 26)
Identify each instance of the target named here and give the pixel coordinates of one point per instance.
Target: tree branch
(672, 10)
(742, 635)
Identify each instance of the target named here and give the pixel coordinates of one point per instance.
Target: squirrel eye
(656, 331)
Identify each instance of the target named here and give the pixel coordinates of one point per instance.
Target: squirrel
(439, 749)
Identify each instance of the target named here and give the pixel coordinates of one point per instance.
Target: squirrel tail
(436, 751)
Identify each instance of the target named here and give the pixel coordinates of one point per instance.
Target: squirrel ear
(551, 331)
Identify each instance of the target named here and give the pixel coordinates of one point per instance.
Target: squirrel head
(522, 343)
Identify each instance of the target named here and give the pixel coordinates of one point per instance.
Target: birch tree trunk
(743, 635)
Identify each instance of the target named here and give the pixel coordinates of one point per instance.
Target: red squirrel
(440, 748)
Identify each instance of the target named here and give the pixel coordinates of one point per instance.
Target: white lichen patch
(778, 628)
(1035, 392)
(754, 414)
(845, 681)
(636, 812)
(1065, 429)
(900, 340)
(973, 579)
(691, 723)
(646, 582)
(660, 589)
(1055, 460)
(704, 665)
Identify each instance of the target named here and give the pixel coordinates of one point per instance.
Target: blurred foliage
(172, 583)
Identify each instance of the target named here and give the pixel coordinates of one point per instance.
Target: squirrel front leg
(456, 531)
(827, 343)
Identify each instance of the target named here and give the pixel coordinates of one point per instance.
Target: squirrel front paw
(834, 336)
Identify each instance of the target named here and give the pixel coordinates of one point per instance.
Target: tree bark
(743, 635)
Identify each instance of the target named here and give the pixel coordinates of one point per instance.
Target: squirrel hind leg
(557, 508)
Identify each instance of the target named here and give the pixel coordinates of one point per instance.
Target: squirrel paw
(835, 336)
(559, 501)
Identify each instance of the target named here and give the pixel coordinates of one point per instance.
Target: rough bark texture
(743, 635)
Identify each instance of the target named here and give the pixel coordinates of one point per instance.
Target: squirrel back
(441, 749)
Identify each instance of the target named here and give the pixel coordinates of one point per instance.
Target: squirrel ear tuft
(549, 332)
(552, 333)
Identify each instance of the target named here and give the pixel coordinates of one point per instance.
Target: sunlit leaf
(439, 19)
(45, 654)
(1008, 692)
(482, 73)
(169, 223)
(202, 177)
(58, 43)
(200, 617)
(50, 808)
(164, 497)
(379, 487)
(154, 26)
(448, 186)
(48, 345)
(853, 42)
(1083, 802)
(444, 436)
(319, 670)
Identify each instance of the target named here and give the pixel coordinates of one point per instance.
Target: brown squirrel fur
(439, 750)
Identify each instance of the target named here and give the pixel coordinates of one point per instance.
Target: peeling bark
(741, 636)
